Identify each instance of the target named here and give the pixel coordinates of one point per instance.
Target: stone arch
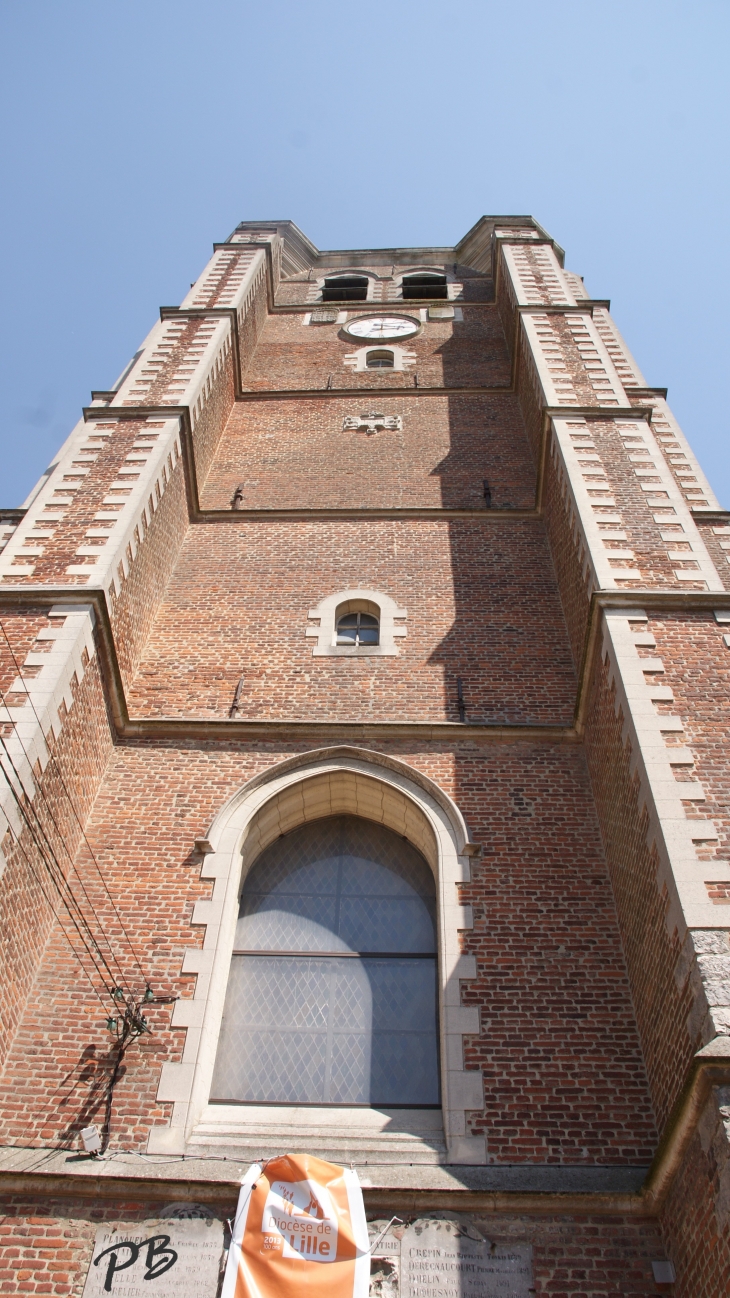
(446, 271)
(340, 272)
(357, 361)
(307, 787)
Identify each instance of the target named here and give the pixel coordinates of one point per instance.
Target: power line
(76, 816)
(56, 914)
(128, 1023)
(28, 809)
(75, 913)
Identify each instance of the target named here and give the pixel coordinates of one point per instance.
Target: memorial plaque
(156, 1259)
(385, 1260)
(440, 1260)
(384, 1240)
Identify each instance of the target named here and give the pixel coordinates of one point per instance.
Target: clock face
(383, 326)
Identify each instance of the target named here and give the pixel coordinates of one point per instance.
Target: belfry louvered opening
(345, 288)
(332, 993)
(428, 285)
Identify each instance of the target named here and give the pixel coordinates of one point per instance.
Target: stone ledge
(63, 1172)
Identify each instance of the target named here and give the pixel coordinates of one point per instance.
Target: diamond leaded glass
(341, 1008)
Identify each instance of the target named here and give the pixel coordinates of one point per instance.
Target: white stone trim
(624, 362)
(328, 782)
(608, 366)
(143, 481)
(314, 292)
(668, 495)
(580, 472)
(247, 268)
(138, 497)
(454, 286)
(555, 376)
(191, 381)
(663, 424)
(340, 320)
(516, 232)
(592, 553)
(384, 608)
(526, 291)
(38, 715)
(358, 360)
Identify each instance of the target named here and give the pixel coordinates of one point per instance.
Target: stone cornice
(180, 729)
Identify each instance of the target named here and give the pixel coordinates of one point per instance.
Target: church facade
(364, 659)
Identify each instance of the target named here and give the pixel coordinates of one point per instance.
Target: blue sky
(136, 133)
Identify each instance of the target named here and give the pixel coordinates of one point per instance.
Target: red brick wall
(46, 1249)
(506, 304)
(295, 454)
(250, 330)
(93, 481)
(65, 794)
(584, 1256)
(207, 430)
(481, 604)
(716, 537)
(572, 573)
(661, 990)
(132, 611)
(696, 1218)
(290, 354)
(527, 385)
(559, 1051)
(563, 1072)
(18, 632)
(588, 1019)
(697, 669)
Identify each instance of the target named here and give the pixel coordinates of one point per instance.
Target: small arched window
(341, 633)
(428, 285)
(332, 991)
(380, 360)
(345, 288)
(358, 629)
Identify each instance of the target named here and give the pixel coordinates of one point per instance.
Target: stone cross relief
(371, 421)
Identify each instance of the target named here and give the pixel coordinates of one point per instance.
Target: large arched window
(332, 992)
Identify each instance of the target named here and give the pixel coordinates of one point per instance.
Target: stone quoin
(365, 665)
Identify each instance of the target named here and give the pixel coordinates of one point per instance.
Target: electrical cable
(78, 920)
(64, 888)
(135, 1153)
(131, 1023)
(75, 813)
(57, 916)
(44, 801)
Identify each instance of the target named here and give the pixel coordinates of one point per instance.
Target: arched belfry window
(425, 284)
(345, 288)
(332, 992)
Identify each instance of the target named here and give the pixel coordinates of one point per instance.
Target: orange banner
(300, 1229)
